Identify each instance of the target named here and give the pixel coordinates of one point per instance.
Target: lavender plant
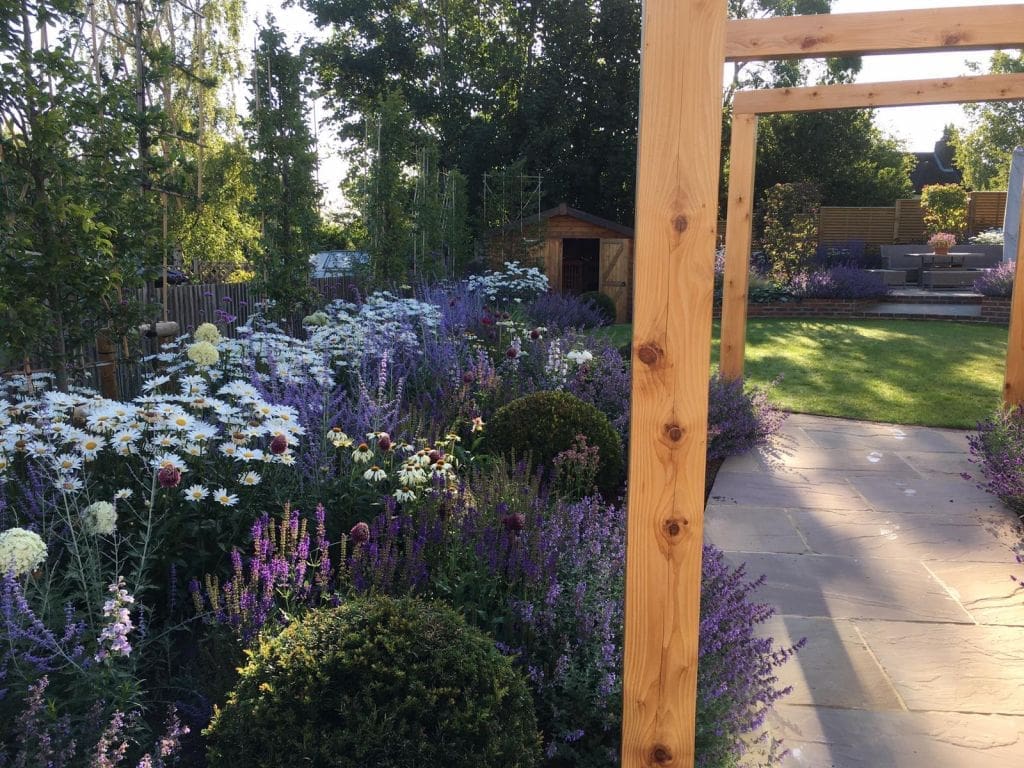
(998, 281)
(840, 282)
(998, 448)
(739, 418)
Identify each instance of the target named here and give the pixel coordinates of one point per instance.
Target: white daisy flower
(249, 478)
(222, 497)
(229, 449)
(91, 446)
(169, 460)
(123, 494)
(68, 484)
(155, 382)
(197, 493)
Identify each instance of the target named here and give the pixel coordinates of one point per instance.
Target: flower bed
(148, 544)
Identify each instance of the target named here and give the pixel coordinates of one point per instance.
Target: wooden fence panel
(986, 210)
(909, 226)
(873, 225)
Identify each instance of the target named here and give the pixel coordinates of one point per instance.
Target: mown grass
(932, 373)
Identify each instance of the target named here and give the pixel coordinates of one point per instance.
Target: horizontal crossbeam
(844, 34)
(953, 90)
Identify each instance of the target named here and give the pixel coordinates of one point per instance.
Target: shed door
(553, 263)
(615, 275)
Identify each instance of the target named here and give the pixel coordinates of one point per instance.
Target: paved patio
(897, 571)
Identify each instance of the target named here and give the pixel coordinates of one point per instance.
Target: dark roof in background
(931, 170)
(565, 210)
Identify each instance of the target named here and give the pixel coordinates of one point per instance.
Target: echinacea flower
(375, 474)
(362, 454)
(404, 494)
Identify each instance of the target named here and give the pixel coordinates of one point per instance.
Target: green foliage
(545, 424)
(219, 238)
(377, 682)
(841, 151)
(284, 167)
(945, 209)
(996, 128)
(603, 303)
(789, 238)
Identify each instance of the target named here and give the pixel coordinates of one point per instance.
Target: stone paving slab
(986, 591)
(888, 535)
(966, 669)
(836, 667)
(897, 571)
(844, 588)
(848, 738)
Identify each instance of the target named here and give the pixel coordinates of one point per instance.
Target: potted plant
(941, 242)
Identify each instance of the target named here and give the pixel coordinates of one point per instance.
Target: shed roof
(565, 210)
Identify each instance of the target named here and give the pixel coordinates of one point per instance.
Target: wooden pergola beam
(843, 34)
(953, 90)
(738, 233)
(680, 139)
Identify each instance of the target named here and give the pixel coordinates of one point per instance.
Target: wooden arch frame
(683, 48)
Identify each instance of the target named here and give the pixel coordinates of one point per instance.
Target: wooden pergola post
(685, 43)
(676, 217)
(1013, 384)
(738, 230)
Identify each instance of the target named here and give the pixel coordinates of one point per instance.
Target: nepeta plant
(998, 447)
(998, 281)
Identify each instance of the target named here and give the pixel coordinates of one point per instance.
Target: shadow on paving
(862, 530)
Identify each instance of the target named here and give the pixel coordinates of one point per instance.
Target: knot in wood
(674, 525)
(679, 223)
(951, 39)
(649, 354)
(661, 755)
(810, 42)
(674, 432)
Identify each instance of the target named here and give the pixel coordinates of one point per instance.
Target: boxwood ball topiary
(544, 424)
(377, 683)
(603, 303)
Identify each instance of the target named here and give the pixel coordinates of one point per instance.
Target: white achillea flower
(21, 551)
(203, 353)
(100, 518)
(208, 332)
(195, 493)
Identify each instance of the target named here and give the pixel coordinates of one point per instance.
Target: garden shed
(579, 252)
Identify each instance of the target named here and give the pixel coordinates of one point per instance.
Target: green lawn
(900, 371)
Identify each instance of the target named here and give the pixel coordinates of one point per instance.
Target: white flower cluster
(515, 285)
(169, 433)
(337, 337)
(21, 551)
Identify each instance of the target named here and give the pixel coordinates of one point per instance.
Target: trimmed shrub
(544, 424)
(997, 282)
(377, 682)
(603, 303)
(838, 283)
(945, 208)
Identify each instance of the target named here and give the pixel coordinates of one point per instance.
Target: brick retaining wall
(995, 310)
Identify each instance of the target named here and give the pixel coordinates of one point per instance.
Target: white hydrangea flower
(21, 551)
(208, 332)
(100, 518)
(203, 353)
